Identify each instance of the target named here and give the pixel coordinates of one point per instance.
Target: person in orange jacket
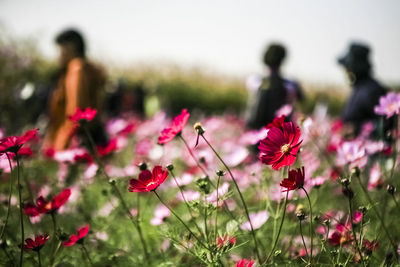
(80, 85)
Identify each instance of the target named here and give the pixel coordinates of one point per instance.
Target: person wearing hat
(366, 91)
(274, 91)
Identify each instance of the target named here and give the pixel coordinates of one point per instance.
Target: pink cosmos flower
(44, 206)
(388, 105)
(177, 126)
(14, 143)
(222, 190)
(148, 181)
(189, 195)
(86, 115)
(36, 244)
(353, 153)
(357, 216)
(375, 177)
(280, 146)
(82, 232)
(294, 181)
(160, 213)
(245, 263)
(257, 220)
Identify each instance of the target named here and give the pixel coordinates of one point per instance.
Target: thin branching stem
(9, 198)
(20, 212)
(241, 197)
(280, 229)
(177, 216)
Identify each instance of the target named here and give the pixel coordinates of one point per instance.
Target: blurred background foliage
(27, 77)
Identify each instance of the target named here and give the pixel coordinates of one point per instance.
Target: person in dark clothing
(274, 91)
(366, 91)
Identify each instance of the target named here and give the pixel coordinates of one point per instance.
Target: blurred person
(366, 91)
(80, 84)
(274, 91)
(128, 97)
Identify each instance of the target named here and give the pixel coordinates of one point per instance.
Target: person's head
(274, 56)
(71, 45)
(356, 61)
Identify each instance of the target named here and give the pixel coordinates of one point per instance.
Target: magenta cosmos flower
(294, 181)
(148, 181)
(245, 263)
(36, 244)
(388, 105)
(14, 143)
(82, 232)
(88, 114)
(177, 126)
(280, 146)
(44, 206)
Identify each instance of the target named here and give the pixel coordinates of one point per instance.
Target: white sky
(227, 36)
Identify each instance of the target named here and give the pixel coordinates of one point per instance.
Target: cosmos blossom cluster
(160, 192)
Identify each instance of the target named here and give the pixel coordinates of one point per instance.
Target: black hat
(274, 55)
(357, 58)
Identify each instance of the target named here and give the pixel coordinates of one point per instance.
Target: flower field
(179, 192)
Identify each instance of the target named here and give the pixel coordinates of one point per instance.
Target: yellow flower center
(285, 148)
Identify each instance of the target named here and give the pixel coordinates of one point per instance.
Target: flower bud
(170, 167)
(198, 128)
(345, 182)
(301, 215)
(355, 171)
(391, 189)
(220, 173)
(111, 182)
(143, 166)
(204, 185)
(363, 209)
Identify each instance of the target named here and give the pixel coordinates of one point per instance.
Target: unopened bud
(355, 171)
(300, 215)
(198, 128)
(170, 167)
(111, 182)
(345, 182)
(391, 189)
(143, 166)
(220, 173)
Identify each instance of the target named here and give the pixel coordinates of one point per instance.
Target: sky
(222, 36)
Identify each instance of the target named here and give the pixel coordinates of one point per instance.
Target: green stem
(187, 204)
(11, 259)
(205, 219)
(280, 229)
(354, 232)
(87, 255)
(395, 201)
(394, 247)
(176, 215)
(9, 198)
(135, 223)
(240, 194)
(216, 210)
(116, 190)
(311, 224)
(302, 238)
(193, 156)
(40, 262)
(20, 212)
